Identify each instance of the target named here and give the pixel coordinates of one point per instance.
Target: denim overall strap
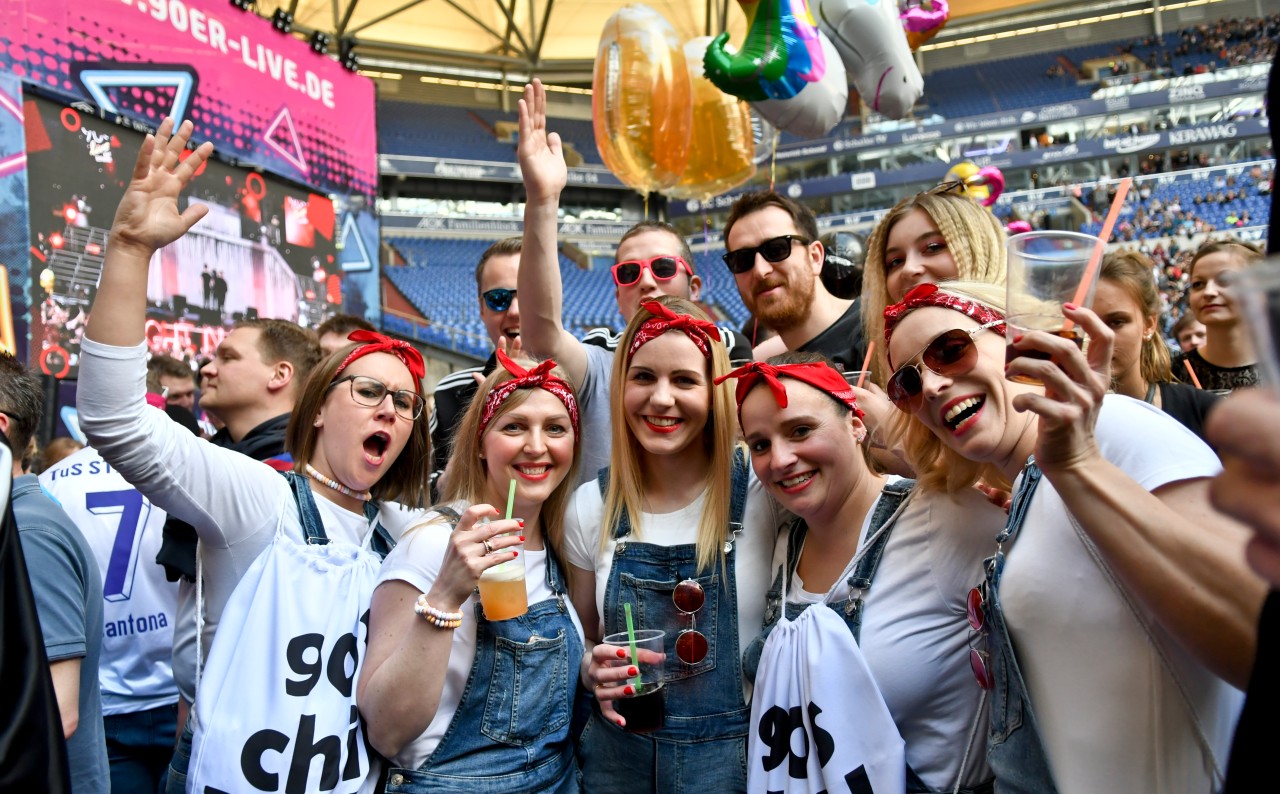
(382, 542)
(1015, 751)
(312, 526)
(878, 533)
(623, 529)
(510, 732)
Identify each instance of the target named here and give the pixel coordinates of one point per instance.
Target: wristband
(436, 617)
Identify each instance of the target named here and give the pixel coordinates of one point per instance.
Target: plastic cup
(1256, 290)
(502, 589)
(852, 377)
(644, 711)
(1045, 270)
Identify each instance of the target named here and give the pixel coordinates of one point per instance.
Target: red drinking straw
(1192, 373)
(1091, 271)
(866, 362)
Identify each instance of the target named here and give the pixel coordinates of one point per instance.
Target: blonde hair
(626, 481)
(974, 237)
(469, 474)
(1132, 272)
(937, 466)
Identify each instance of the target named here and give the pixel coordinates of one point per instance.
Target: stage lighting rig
(243, 5)
(347, 54)
(320, 42)
(282, 21)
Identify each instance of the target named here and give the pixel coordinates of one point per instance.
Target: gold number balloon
(721, 140)
(640, 102)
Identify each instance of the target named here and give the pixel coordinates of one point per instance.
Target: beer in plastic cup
(502, 589)
(1045, 271)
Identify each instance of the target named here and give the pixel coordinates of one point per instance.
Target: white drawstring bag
(818, 720)
(275, 708)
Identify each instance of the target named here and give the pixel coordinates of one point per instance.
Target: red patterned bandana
(663, 320)
(539, 377)
(923, 295)
(374, 342)
(818, 375)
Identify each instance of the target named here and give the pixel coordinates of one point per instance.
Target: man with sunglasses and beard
(500, 313)
(652, 260)
(776, 259)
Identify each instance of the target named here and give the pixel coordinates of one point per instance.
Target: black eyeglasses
(370, 393)
(498, 299)
(950, 354)
(774, 250)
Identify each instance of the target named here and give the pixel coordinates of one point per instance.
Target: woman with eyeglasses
(1124, 594)
(358, 441)
(1227, 360)
(1128, 301)
(460, 698)
(679, 534)
(894, 565)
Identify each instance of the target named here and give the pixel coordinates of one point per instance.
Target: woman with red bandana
(678, 529)
(458, 701)
(284, 558)
(1117, 612)
(893, 564)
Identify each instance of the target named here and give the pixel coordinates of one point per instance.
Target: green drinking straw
(511, 498)
(631, 637)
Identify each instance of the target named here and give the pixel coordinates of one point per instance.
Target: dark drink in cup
(1011, 353)
(644, 711)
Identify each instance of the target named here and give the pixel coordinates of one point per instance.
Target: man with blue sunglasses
(500, 313)
(652, 260)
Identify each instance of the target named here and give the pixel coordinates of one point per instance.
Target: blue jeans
(180, 764)
(617, 761)
(139, 746)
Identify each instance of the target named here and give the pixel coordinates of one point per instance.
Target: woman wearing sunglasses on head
(679, 533)
(1128, 301)
(1124, 594)
(457, 698)
(895, 566)
(272, 547)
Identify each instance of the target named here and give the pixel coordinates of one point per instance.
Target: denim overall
(1015, 751)
(702, 745)
(313, 531)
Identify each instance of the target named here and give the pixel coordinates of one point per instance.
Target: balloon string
(646, 206)
(706, 232)
(773, 162)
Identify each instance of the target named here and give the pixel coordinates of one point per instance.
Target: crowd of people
(900, 545)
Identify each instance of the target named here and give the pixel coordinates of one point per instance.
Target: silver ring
(487, 548)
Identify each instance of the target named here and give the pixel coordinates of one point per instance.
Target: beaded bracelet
(436, 617)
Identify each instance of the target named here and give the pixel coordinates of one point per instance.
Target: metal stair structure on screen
(78, 263)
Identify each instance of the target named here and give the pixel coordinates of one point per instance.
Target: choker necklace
(363, 496)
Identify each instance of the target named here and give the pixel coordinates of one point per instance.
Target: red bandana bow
(923, 295)
(818, 375)
(374, 342)
(539, 377)
(663, 320)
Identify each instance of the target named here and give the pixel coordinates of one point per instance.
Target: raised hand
(148, 218)
(541, 154)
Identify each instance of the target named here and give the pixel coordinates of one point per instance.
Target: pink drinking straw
(1192, 373)
(1091, 271)
(866, 362)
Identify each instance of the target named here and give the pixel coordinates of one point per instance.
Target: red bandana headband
(539, 377)
(663, 320)
(817, 374)
(923, 295)
(374, 342)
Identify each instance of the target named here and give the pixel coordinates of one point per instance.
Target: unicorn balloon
(869, 37)
(779, 57)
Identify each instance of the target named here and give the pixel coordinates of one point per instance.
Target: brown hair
(806, 224)
(468, 473)
(1132, 271)
(661, 226)
(974, 237)
(505, 246)
(406, 479)
(281, 340)
(22, 400)
(1248, 252)
(343, 324)
(626, 480)
(160, 365)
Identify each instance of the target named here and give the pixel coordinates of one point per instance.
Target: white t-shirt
(915, 627)
(416, 560)
(1109, 712)
(761, 518)
(124, 530)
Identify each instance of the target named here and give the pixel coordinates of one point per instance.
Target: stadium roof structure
(556, 39)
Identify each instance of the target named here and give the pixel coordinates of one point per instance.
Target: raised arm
(146, 221)
(1183, 560)
(541, 293)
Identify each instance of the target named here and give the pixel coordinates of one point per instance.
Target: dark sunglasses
(947, 187)
(775, 250)
(663, 268)
(949, 354)
(691, 644)
(979, 659)
(498, 299)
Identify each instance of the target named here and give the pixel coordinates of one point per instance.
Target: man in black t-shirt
(776, 259)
